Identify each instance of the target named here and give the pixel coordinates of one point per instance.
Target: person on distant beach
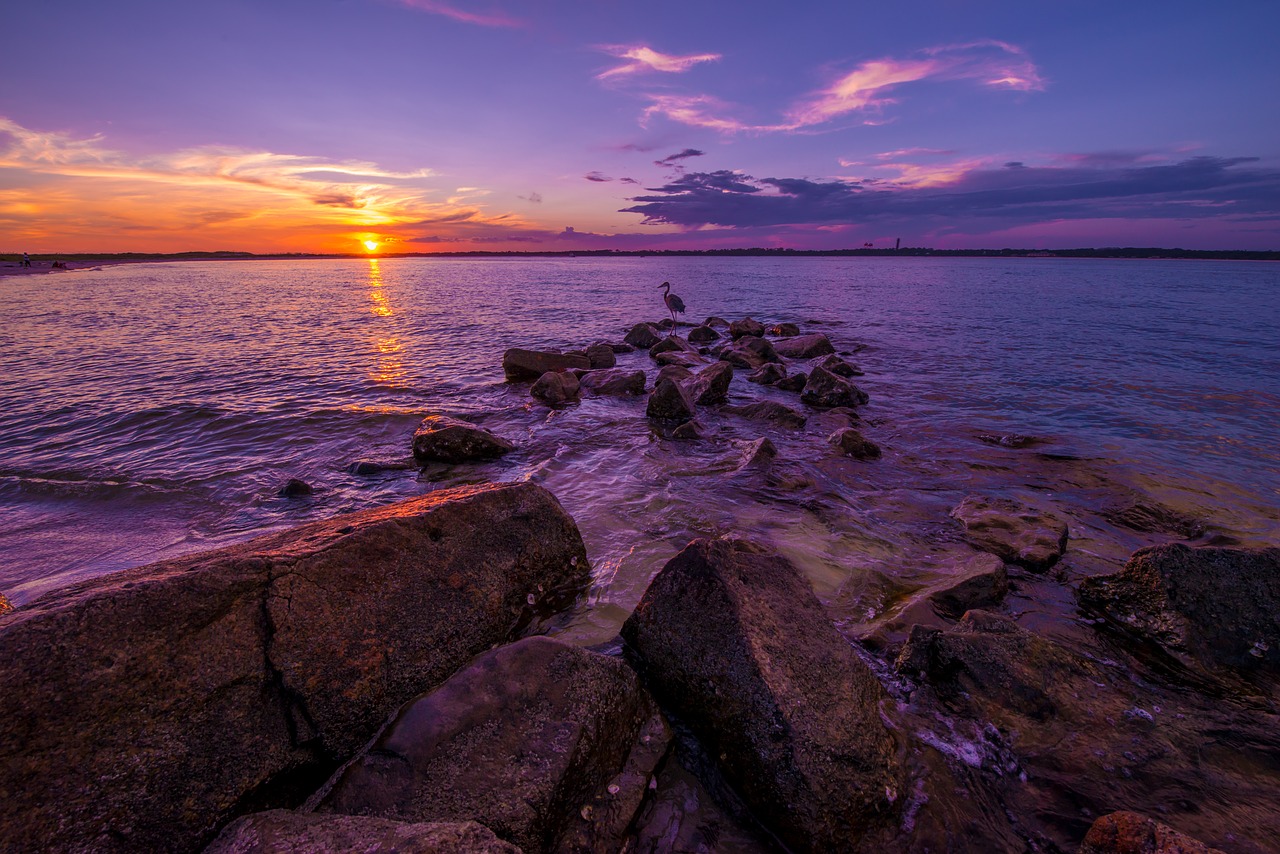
(26, 260)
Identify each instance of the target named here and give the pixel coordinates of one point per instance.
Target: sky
(384, 126)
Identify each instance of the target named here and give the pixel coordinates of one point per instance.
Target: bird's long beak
(665, 285)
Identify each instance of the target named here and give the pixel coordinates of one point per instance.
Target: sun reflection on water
(389, 367)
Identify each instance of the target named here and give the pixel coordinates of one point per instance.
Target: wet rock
(669, 402)
(795, 382)
(555, 387)
(1221, 606)
(1129, 833)
(682, 816)
(671, 344)
(172, 695)
(839, 367)
(1011, 440)
(744, 327)
(710, 386)
(982, 583)
(5, 604)
(520, 364)
(1153, 518)
(750, 352)
(440, 438)
(824, 388)
(284, 832)
(613, 382)
(805, 346)
(294, 488)
(683, 359)
(643, 336)
(620, 349)
(527, 740)
(368, 468)
(835, 419)
(675, 373)
(731, 637)
(853, 444)
(767, 374)
(601, 356)
(784, 330)
(1012, 531)
(768, 410)
(716, 321)
(703, 335)
(689, 430)
(758, 453)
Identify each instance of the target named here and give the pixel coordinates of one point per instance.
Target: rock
(687, 431)
(520, 364)
(601, 356)
(294, 488)
(805, 346)
(366, 468)
(440, 438)
(671, 344)
(613, 382)
(1221, 606)
(795, 382)
(703, 335)
(758, 453)
(643, 336)
(835, 419)
(824, 388)
(767, 374)
(1150, 517)
(716, 321)
(784, 330)
(839, 367)
(768, 410)
(5, 604)
(675, 373)
(669, 402)
(853, 444)
(283, 832)
(1013, 532)
(683, 359)
(746, 326)
(527, 740)
(682, 816)
(982, 583)
(750, 352)
(144, 709)
(1129, 833)
(731, 637)
(555, 387)
(1011, 440)
(710, 385)
(620, 349)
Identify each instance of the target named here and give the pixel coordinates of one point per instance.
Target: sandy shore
(14, 268)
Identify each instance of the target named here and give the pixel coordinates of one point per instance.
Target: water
(152, 410)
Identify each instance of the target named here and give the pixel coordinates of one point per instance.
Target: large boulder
(731, 637)
(613, 382)
(769, 374)
(805, 346)
(750, 353)
(746, 326)
(556, 387)
(768, 410)
(1220, 605)
(853, 444)
(1127, 832)
(528, 740)
(1013, 532)
(520, 364)
(442, 439)
(703, 335)
(824, 388)
(711, 384)
(143, 709)
(285, 832)
(671, 344)
(670, 402)
(643, 336)
(601, 356)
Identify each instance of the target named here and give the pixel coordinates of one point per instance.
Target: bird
(674, 303)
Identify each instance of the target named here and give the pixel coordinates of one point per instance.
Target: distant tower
(897, 244)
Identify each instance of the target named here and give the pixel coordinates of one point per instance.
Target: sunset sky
(427, 125)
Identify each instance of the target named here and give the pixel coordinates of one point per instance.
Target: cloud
(598, 177)
(701, 111)
(492, 19)
(674, 159)
(1193, 188)
(535, 198)
(641, 58)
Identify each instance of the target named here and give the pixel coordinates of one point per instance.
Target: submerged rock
(613, 382)
(703, 335)
(294, 488)
(853, 444)
(982, 583)
(768, 374)
(284, 832)
(1150, 517)
(1012, 531)
(367, 468)
(711, 385)
(531, 740)
(1221, 606)
(643, 336)
(601, 356)
(758, 453)
(768, 410)
(839, 367)
(688, 430)
(175, 694)
(716, 321)
(731, 637)
(745, 327)
(440, 438)
(795, 382)
(520, 364)
(825, 389)
(555, 387)
(669, 402)
(1129, 833)
(805, 346)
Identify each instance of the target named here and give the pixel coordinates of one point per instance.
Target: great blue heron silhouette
(674, 303)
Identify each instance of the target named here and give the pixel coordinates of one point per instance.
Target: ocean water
(152, 410)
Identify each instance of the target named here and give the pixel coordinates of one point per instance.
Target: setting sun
(371, 245)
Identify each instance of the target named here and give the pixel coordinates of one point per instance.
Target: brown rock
(643, 336)
(555, 387)
(711, 385)
(805, 346)
(784, 330)
(982, 583)
(687, 431)
(681, 358)
(716, 321)
(141, 710)
(294, 488)
(746, 326)
(619, 349)
(768, 374)
(758, 453)
(853, 444)
(731, 637)
(795, 382)
(669, 402)
(613, 382)
(1013, 532)
(520, 364)
(768, 410)
(824, 388)
(675, 373)
(839, 367)
(601, 356)
(671, 344)
(526, 740)
(285, 832)
(440, 438)
(703, 335)
(1129, 833)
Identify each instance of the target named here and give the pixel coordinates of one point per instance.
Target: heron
(675, 305)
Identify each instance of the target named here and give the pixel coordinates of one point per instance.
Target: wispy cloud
(597, 177)
(483, 19)
(674, 159)
(641, 58)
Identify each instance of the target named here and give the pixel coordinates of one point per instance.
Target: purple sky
(423, 125)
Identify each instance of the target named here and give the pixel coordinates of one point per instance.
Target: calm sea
(152, 410)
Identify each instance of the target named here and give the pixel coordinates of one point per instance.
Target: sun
(371, 245)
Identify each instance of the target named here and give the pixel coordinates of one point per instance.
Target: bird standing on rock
(674, 303)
